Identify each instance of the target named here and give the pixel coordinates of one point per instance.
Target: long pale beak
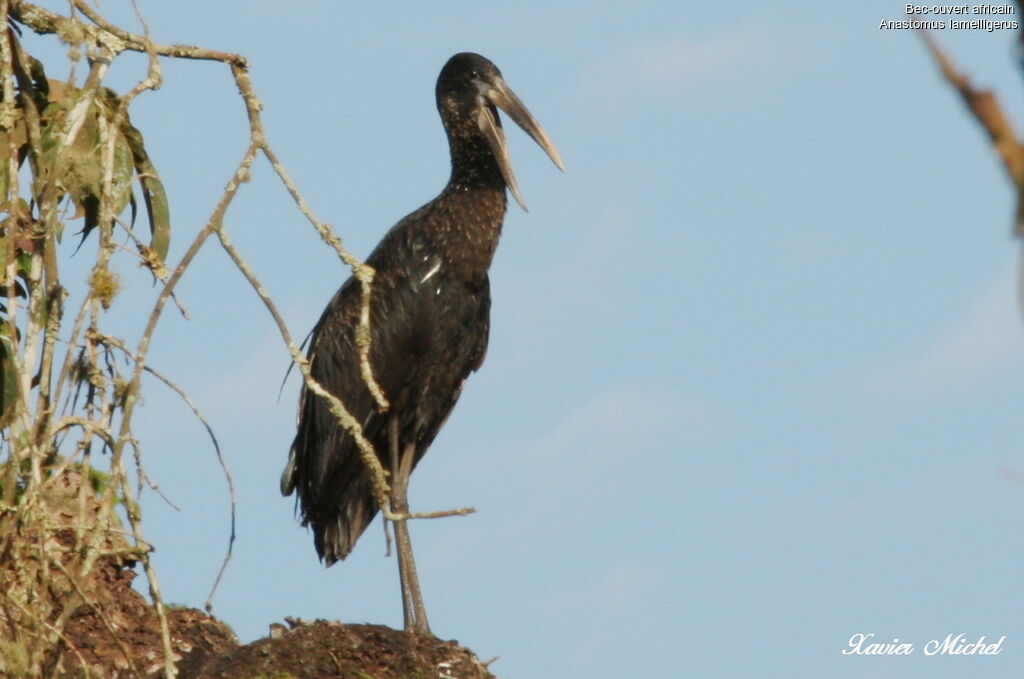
(504, 98)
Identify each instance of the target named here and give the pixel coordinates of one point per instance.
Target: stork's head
(469, 88)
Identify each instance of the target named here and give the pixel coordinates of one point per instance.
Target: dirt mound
(68, 609)
(119, 636)
(122, 640)
(325, 649)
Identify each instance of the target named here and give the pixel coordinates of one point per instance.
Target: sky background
(756, 364)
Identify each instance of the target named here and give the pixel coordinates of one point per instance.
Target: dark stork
(429, 320)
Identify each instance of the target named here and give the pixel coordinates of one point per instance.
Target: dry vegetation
(71, 468)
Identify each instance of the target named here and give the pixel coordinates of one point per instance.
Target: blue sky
(756, 357)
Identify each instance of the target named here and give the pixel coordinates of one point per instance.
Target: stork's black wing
(428, 332)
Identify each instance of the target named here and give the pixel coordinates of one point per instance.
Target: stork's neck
(465, 219)
(473, 163)
(469, 212)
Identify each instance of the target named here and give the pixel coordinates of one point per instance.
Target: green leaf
(152, 192)
(24, 260)
(40, 83)
(124, 169)
(81, 172)
(43, 312)
(18, 139)
(8, 378)
(5, 153)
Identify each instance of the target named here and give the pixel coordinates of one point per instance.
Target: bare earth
(208, 649)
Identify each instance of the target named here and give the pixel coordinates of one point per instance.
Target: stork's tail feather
(288, 475)
(336, 535)
(333, 541)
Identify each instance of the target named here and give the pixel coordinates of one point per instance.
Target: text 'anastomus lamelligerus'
(429, 320)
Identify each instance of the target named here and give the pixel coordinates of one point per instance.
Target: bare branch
(362, 271)
(985, 108)
(366, 450)
(43, 21)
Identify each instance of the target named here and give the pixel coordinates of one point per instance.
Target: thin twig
(432, 515)
(113, 341)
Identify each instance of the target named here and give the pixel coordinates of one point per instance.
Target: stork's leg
(412, 600)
